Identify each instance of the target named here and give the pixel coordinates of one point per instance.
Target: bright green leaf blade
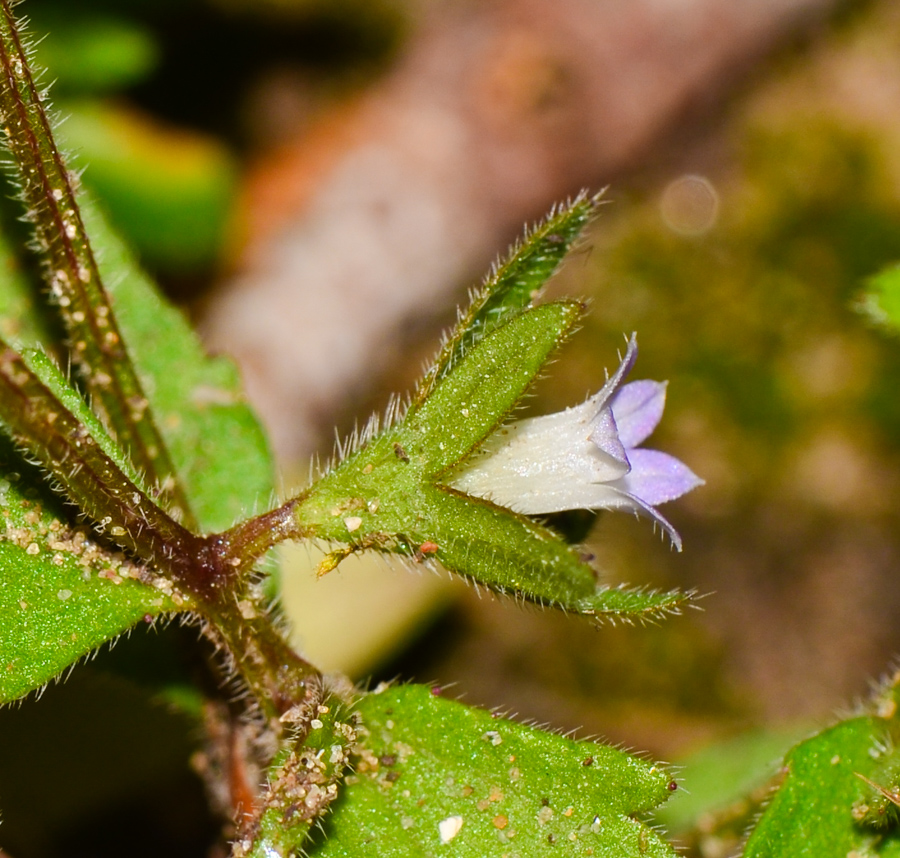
(91, 52)
(61, 594)
(512, 286)
(810, 815)
(484, 387)
(218, 446)
(215, 440)
(881, 301)
(438, 778)
(170, 193)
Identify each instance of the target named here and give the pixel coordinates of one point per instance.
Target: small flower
(586, 457)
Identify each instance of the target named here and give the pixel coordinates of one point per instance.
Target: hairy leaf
(811, 814)
(215, 441)
(434, 777)
(61, 593)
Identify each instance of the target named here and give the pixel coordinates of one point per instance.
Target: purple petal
(638, 505)
(611, 497)
(657, 477)
(638, 408)
(605, 434)
(614, 382)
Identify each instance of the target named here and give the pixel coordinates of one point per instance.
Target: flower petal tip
(586, 457)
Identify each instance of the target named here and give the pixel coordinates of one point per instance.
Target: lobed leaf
(434, 777)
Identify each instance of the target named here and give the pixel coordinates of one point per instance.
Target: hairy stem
(70, 270)
(242, 545)
(209, 568)
(89, 478)
(286, 686)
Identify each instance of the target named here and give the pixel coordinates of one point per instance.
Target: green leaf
(724, 773)
(433, 777)
(810, 815)
(513, 285)
(216, 441)
(91, 52)
(75, 594)
(881, 301)
(169, 192)
(61, 593)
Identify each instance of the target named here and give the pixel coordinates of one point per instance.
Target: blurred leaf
(25, 320)
(169, 191)
(434, 777)
(881, 301)
(724, 773)
(89, 52)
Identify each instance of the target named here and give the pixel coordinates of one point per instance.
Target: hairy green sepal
(393, 494)
(513, 285)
